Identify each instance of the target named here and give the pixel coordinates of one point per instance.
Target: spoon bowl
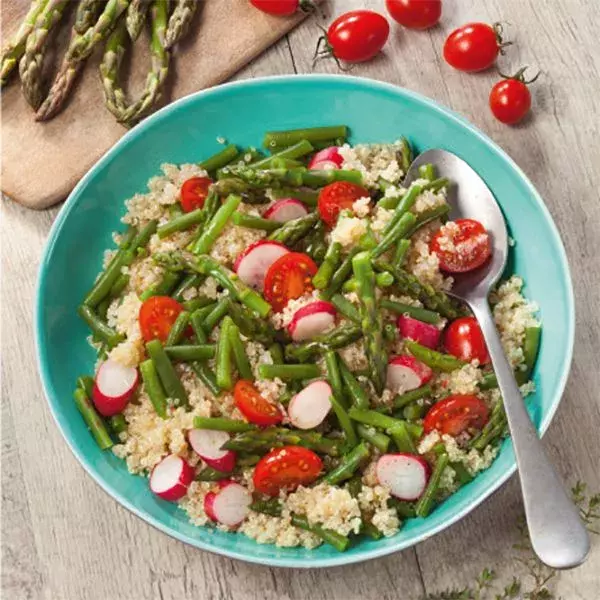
(557, 534)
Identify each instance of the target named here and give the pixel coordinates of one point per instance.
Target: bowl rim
(296, 79)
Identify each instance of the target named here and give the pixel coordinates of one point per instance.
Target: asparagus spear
(87, 13)
(371, 319)
(340, 337)
(114, 51)
(160, 58)
(15, 48)
(136, 17)
(80, 47)
(294, 230)
(179, 22)
(32, 61)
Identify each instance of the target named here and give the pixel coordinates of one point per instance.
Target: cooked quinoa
(148, 438)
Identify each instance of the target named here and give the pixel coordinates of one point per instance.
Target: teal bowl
(186, 131)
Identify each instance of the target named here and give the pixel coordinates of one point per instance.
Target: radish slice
(207, 443)
(405, 475)
(308, 408)
(171, 477)
(423, 333)
(254, 262)
(311, 320)
(406, 373)
(326, 159)
(113, 387)
(230, 505)
(285, 210)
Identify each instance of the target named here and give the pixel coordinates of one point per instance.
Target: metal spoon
(557, 534)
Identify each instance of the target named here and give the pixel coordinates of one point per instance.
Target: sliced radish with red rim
(207, 444)
(406, 373)
(326, 159)
(312, 320)
(405, 475)
(254, 262)
(113, 387)
(171, 478)
(286, 209)
(308, 408)
(228, 506)
(423, 333)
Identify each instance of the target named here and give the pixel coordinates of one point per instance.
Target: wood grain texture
(63, 538)
(60, 151)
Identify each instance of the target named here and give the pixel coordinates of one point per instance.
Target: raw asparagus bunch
(87, 13)
(114, 51)
(15, 48)
(136, 17)
(32, 61)
(80, 47)
(179, 22)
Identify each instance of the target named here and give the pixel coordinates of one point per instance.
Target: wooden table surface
(63, 538)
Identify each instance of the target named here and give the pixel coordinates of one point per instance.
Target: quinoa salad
(277, 348)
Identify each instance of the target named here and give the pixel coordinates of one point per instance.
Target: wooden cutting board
(42, 162)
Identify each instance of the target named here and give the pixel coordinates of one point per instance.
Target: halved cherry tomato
(474, 46)
(194, 192)
(253, 406)
(464, 339)
(461, 245)
(336, 197)
(415, 14)
(280, 8)
(286, 468)
(455, 414)
(289, 277)
(157, 316)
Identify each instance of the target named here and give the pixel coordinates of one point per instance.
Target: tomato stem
(327, 52)
(519, 75)
(499, 31)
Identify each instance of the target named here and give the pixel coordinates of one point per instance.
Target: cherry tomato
(510, 99)
(357, 36)
(415, 14)
(338, 196)
(461, 245)
(253, 406)
(281, 8)
(289, 277)
(455, 414)
(157, 316)
(286, 468)
(463, 338)
(194, 192)
(473, 47)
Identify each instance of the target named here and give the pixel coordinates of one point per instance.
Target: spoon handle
(557, 534)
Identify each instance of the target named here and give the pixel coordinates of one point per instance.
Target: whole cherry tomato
(281, 8)
(463, 338)
(510, 99)
(474, 46)
(415, 14)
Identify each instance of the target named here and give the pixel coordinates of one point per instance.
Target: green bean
(406, 155)
(99, 327)
(333, 374)
(402, 400)
(338, 541)
(167, 374)
(322, 144)
(86, 383)
(271, 507)
(178, 328)
(191, 353)
(328, 266)
(345, 307)
(370, 530)
(421, 314)
(197, 322)
(414, 411)
(154, 388)
(297, 150)
(276, 352)
(354, 485)
(210, 474)
(220, 159)
(251, 154)
(530, 348)
(345, 423)
(342, 273)
(359, 397)
(374, 437)
(403, 208)
(405, 510)
(462, 475)
(252, 222)
(223, 424)
(402, 249)
(181, 223)
(289, 372)
(92, 419)
(348, 465)
(214, 316)
(198, 303)
(427, 171)
(215, 226)
(283, 139)
(395, 233)
(190, 281)
(207, 377)
(163, 288)
(390, 332)
(436, 360)
(239, 352)
(224, 363)
(381, 421)
(426, 501)
(117, 424)
(402, 439)
(118, 286)
(426, 217)
(306, 195)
